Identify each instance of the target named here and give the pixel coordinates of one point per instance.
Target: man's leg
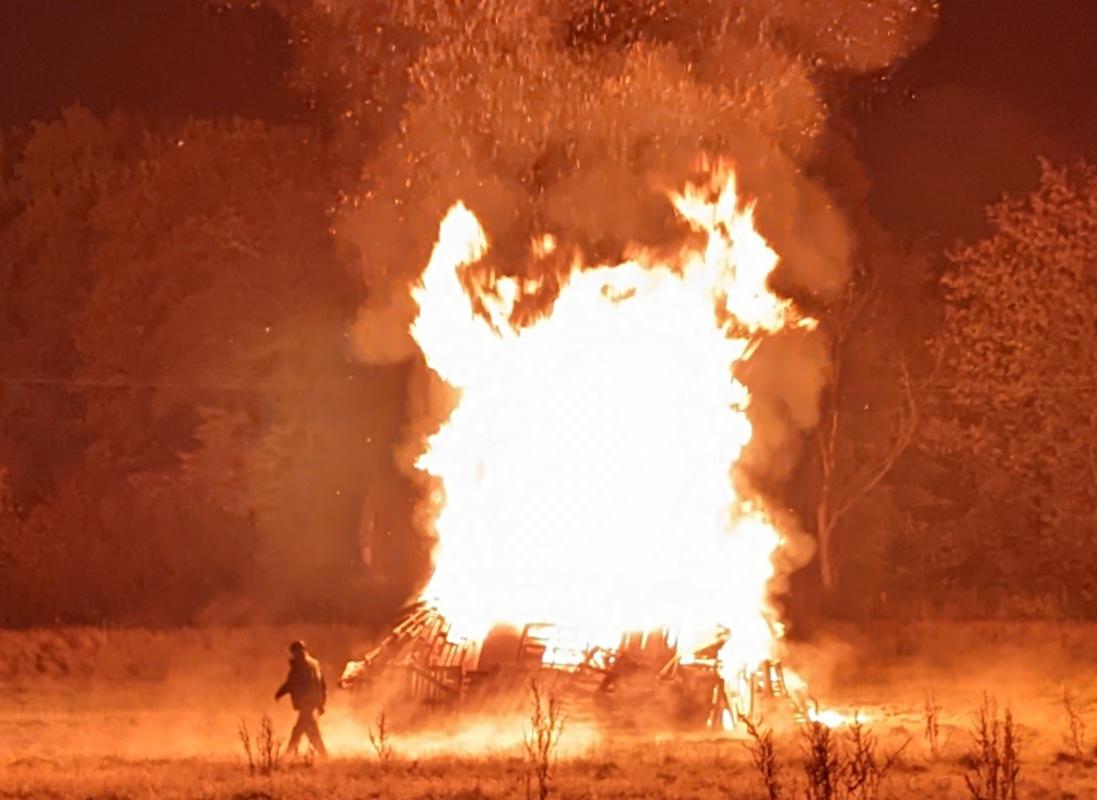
(312, 730)
(300, 728)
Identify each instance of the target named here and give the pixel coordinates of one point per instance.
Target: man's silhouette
(306, 688)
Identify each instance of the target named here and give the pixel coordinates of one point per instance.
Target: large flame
(587, 469)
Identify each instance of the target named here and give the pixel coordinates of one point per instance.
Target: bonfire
(591, 519)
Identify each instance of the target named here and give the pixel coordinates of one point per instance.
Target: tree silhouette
(1019, 356)
(176, 304)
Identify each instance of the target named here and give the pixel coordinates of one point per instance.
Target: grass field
(696, 769)
(149, 714)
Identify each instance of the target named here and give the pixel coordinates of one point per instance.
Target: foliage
(1017, 365)
(175, 384)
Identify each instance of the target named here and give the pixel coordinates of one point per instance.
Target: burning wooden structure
(646, 676)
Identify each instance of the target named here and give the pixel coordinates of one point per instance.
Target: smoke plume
(574, 117)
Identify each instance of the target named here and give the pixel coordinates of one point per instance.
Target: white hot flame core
(586, 468)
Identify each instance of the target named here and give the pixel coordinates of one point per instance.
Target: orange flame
(586, 469)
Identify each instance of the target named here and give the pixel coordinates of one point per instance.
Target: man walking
(306, 688)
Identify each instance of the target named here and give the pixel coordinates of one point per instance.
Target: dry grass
(171, 732)
(699, 770)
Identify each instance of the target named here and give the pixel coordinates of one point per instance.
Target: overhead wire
(126, 383)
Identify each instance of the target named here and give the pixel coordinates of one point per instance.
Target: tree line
(185, 434)
(180, 418)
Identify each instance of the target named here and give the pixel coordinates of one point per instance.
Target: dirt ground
(143, 714)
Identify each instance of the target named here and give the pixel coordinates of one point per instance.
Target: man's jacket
(305, 684)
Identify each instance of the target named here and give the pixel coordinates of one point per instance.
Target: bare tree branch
(830, 509)
(870, 479)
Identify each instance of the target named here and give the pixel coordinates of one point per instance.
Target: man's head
(297, 648)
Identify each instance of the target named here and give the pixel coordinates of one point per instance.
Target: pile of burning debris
(645, 677)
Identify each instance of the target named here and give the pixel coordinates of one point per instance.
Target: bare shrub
(932, 731)
(994, 762)
(245, 741)
(863, 770)
(846, 768)
(822, 762)
(264, 751)
(1075, 737)
(763, 755)
(546, 725)
(381, 740)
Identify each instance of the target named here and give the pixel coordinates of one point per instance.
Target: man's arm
(284, 688)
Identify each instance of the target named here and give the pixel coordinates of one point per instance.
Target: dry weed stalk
(822, 762)
(381, 740)
(763, 755)
(994, 762)
(264, 751)
(933, 725)
(270, 748)
(1075, 738)
(546, 725)
(245, 740)
(850, 768)
(863, 773)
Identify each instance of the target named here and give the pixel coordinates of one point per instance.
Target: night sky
(1002, 81)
